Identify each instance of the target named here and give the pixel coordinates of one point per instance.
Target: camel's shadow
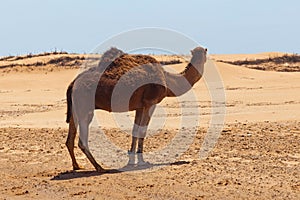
(68, 175)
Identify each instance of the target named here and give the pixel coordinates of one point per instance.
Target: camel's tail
(69, 102)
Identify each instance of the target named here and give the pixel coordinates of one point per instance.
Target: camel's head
(198, 51)
(199, 54)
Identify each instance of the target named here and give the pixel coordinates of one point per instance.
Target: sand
(256, 157)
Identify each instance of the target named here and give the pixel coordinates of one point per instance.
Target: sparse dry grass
(285, 63)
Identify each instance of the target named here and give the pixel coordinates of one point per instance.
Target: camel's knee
(90, 117)
(71, 133)
(71, 138)
(68, 143)
(82, 145)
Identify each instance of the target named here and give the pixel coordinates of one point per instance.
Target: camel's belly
(128, 100)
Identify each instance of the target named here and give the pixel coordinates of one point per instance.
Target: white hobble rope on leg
(139, 131)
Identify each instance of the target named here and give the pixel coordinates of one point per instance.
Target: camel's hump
(109, 56)
(127, 62)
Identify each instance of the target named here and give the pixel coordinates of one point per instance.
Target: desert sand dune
(257, 155)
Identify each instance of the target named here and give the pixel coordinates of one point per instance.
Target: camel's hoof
(77, 167)
(101, 170)
(143, 163)
(130, 164)
(131, 158)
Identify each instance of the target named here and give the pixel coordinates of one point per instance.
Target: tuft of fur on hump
(109, 56)
(116, 63)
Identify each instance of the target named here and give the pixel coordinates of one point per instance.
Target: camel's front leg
(142, 134)
(142, 119)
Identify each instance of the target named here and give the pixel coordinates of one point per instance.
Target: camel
(148, 85)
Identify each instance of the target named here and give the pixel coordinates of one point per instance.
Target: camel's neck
(179, 84)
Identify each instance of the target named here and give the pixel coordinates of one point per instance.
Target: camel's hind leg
(83, 145)
(70, 143)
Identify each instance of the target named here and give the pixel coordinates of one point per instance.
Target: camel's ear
(193, 51)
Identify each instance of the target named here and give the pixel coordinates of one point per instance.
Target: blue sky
(224, 26)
